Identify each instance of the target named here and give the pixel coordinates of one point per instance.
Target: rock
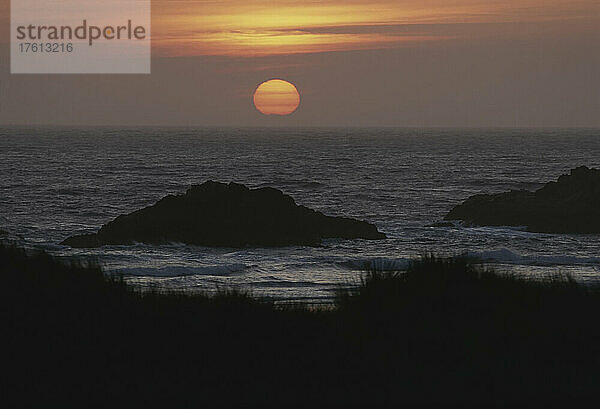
(570, 205)
(226, 215)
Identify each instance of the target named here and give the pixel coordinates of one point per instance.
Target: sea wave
(507, 256)
(67, 190)
(498, 256)
(181, 271)
(293, 284)
(295, 183)
(375, 264)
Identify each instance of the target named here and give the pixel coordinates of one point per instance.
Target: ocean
(57, 181)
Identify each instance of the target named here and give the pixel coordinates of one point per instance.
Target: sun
(276, 97)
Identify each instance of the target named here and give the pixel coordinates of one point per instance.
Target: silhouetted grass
(444, 333)
(460, 284)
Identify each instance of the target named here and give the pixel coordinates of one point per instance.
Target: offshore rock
(570, 205)
(226, 215)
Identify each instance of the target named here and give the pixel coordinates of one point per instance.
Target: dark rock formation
(570, 205)
(220, 215)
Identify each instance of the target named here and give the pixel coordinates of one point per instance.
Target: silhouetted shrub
(446, 332)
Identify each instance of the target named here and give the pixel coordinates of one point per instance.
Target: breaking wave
(506, 256)
(181, 271)
(376, 264)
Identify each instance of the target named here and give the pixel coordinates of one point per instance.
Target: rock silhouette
(570, 205)
(226, 215)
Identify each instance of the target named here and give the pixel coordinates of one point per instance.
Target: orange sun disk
(276, 97)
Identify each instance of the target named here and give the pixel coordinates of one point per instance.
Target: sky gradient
(470, 63)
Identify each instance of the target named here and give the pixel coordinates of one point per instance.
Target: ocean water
(56, 182)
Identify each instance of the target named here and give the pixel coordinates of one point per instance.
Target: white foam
(507, 256)
(376, 264)
(179, 271)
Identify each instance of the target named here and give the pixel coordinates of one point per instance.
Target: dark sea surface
(56, 182)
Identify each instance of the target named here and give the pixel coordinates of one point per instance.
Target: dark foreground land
(443, 334)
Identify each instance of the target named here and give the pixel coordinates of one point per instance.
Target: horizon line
(198, 126)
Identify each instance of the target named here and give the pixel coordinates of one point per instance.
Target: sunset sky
(390, 63)
(251, 28)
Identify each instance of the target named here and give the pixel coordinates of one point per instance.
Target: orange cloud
(267, 27)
